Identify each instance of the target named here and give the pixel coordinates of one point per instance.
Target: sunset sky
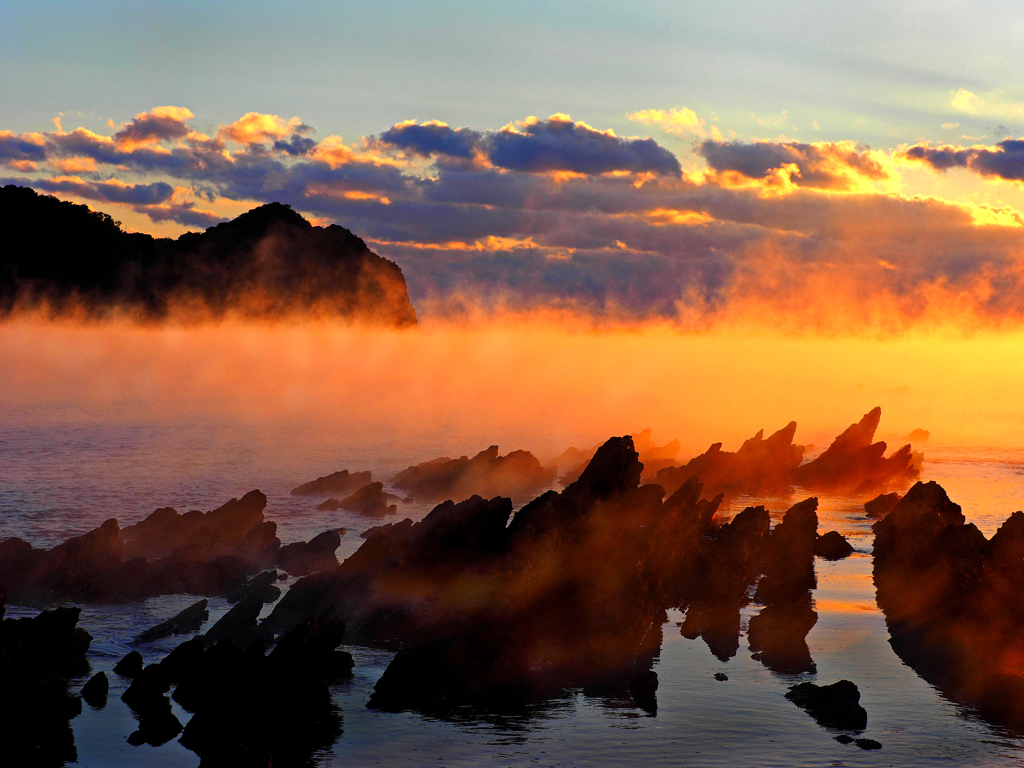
(825, 165)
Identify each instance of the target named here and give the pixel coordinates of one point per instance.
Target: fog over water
(116, 420)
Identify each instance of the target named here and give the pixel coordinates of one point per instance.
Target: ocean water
(63, 473)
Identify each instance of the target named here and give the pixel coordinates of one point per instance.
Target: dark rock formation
(518, 474)
(94, 692)
(238, 624)
(204, 553)
(267, 263)
(759, 465)
(835, 706)
(854, 464)
(261, 586)
(189, 620)
(478, 607)
(954, 601)
(37, 656)
(571, 463)
(336, 482)
(832, 546)
(147, 698)
(788, 557)
(373, 493)
(779, 635)
(130, 665)
(881, 505)
(256, 709)
(304, 557)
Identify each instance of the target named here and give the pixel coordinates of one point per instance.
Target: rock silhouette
(487, 474)
(37, 656)
(835, 706)
(759, 465)
(336, 482)
(953, 600)
(189, 620)
(852, 464)
(202, 553)
(251, 708)
(267, 263)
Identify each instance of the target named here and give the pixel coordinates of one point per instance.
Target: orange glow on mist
(524, 374)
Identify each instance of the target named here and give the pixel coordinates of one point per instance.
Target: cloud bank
(553, 213)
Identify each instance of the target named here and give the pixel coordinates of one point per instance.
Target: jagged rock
(788, 556)
(317, 554)
(238, 624)
(130, 665)
(37, 656)
(779, 634)
(260, 586)
(218, 532)
(331, 505)
(832, 706)
(854, 464)
(336, 482)
(487, 474)
(760, 464)
(570, 464)
(252, 709)
(95, 691)
(365, 496)
(953, 601)
(189, 620)
(832, 546)
(881, 505)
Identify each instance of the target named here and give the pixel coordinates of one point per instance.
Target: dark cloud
(562, 145)
(182, 213)
(826, 165)
(106, 191)
(296, 145)
(431, 139)
(1005, 160)
(15, 148)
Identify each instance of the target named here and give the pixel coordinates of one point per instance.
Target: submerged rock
(94, 692)
(189, 620)
(832, 546)
(832, 706)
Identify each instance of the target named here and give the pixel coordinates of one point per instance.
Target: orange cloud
(258, 128)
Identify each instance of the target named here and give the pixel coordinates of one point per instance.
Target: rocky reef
(202, 553)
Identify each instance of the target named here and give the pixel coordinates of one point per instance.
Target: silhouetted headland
(267, 263)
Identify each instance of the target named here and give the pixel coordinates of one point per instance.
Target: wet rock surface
(954, 601)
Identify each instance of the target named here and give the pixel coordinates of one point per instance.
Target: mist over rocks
(201, 553)
(269, 263)
(954, 600)
(518, 474)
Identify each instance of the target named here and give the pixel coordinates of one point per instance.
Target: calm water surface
(63, 476)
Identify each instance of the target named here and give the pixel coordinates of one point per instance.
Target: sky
(823, 165)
